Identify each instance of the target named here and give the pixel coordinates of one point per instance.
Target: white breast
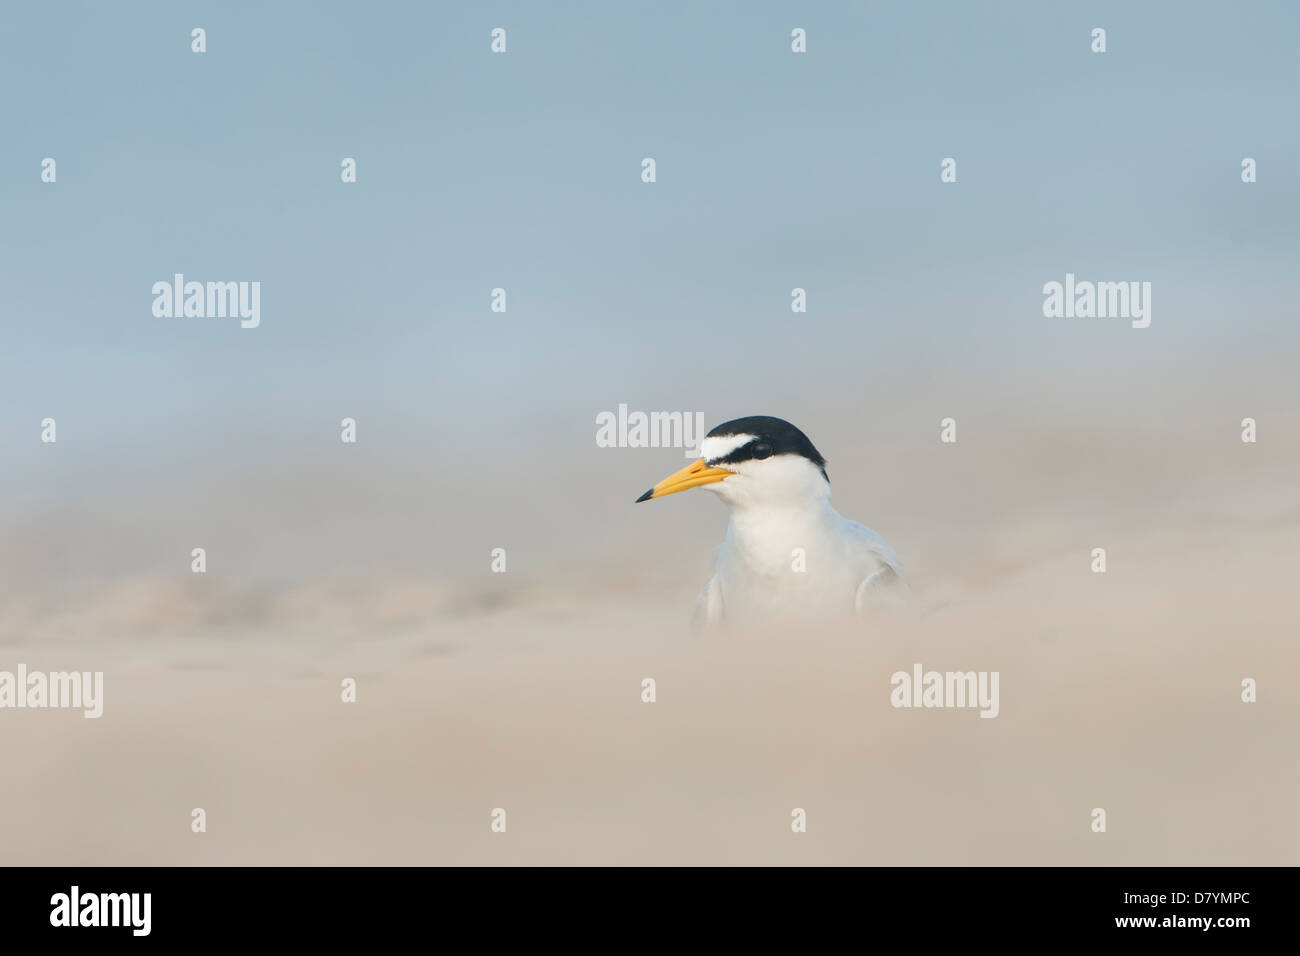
(801, 564)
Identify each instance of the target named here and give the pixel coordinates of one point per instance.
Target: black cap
(772, 436)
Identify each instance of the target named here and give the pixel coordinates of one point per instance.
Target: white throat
(777, 505)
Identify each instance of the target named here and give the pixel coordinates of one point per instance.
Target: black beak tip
(645, 497)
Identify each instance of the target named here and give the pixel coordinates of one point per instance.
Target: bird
(787, 553)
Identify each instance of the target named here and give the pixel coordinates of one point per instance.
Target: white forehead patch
(723, 445)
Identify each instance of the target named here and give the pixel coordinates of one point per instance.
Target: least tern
(787, 552)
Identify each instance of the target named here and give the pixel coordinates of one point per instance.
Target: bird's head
(758, 460)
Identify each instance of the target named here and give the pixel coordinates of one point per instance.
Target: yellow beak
(693, 475)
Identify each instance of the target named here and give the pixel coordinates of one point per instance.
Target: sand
(523, 691)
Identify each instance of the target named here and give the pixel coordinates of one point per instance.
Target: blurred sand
(522, 690)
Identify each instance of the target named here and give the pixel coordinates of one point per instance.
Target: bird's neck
(766, 534)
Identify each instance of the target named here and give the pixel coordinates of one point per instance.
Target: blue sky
(775, 170)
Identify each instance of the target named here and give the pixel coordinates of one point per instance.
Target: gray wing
(708, 606)
(884, 571)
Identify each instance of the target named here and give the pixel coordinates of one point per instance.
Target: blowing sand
(522, 691)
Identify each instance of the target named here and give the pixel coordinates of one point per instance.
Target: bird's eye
(762, 450)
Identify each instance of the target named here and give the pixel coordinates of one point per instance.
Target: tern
(787, 552)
